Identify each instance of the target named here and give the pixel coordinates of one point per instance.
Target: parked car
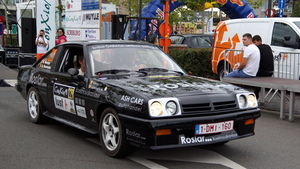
(192, 40)
(134, 95)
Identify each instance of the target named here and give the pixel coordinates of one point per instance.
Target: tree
(296, 10)
(257, 4)
(132, 6)
(181, 14)
(60, 8)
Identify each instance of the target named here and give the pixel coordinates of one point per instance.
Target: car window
(281, 30)
(46, 62)
(204, 41)
(70, 58)
(176, 39)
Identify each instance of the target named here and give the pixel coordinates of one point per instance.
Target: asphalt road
(26, 145)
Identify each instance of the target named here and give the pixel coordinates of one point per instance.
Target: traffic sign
(165, 30)
(271, 14)
(281, 4)
(280, 12)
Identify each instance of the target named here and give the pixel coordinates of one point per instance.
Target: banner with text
(45, 19)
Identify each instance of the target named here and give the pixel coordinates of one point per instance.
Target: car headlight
(246, 100)
(252, 102)
(171, 107)
(156, 109)
(164, 107)
(242, 101)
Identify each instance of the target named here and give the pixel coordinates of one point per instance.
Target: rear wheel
(112, 136)
(34, 104)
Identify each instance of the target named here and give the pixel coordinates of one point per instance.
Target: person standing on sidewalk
(41, 44)
(61, 38)
(266, 64)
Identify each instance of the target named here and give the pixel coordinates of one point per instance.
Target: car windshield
(131, 57)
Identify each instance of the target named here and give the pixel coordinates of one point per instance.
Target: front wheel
(111, 135)
(34, 104)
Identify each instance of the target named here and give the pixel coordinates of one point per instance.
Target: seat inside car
(71, 60)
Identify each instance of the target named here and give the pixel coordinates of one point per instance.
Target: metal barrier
(286, 65)
(232, 59)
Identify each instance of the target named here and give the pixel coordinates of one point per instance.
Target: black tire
(112, 135)
(34, 104)
(222, 73)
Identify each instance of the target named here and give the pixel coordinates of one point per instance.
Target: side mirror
(73, 71)
(290, 44)
(287, 38)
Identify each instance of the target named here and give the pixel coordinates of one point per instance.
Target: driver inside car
(131, 62)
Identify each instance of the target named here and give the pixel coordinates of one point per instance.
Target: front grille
(224, 105)
(209, 108)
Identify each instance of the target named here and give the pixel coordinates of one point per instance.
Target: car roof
(194, 34)
(290, 19)
(91, 42)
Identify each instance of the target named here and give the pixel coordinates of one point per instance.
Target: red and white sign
(73, 34)
(271, 14)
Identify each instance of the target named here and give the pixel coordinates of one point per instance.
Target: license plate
(210, 128)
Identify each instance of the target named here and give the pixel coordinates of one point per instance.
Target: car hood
(172, 86)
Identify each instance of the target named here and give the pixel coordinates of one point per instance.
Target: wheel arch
(220, 64)
(101, 108)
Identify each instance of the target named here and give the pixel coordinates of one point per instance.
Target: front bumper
(141, 132)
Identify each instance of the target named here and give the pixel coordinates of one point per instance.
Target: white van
(282, 34)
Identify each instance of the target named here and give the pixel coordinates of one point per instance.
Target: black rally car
(134, 95)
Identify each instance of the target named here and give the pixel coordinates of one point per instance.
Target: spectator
(5, 30)
(61, 36)
(82, 65)
(266, 65)
(41, 44)
(250, 62)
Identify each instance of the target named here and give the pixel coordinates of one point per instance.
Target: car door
(66, 104)
(40, 76)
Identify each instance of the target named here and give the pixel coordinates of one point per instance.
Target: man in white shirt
(251, 59)
(41, 44)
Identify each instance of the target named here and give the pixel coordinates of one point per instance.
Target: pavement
(8, 77)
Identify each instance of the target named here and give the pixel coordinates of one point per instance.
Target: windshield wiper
(154, 69)
(181, 73)
(157, 70)
(112, 71)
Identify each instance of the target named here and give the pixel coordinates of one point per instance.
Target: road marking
(188, 154)
(147, 163)
(11, 82)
